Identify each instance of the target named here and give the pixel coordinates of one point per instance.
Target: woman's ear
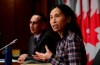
(68, 19)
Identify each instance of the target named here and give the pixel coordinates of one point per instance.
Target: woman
(70, 49)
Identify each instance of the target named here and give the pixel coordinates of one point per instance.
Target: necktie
(33, 47)
(35, 41)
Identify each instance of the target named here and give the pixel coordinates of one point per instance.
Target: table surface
(3, 60)
(40, 64)
(14, 62)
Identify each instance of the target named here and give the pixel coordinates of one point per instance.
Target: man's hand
(22, 57)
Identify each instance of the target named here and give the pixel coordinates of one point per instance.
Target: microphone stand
(8, 52)
(8, 55)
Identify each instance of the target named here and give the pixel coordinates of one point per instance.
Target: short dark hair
(43, 17)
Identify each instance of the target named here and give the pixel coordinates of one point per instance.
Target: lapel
(32, 45)
(40, 42)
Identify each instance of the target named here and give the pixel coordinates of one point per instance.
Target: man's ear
(44, 26)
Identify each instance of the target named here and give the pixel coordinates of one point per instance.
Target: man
(41, 37)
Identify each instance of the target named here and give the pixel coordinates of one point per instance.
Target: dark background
(14, 20)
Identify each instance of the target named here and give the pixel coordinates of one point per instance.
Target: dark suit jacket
(48, 38)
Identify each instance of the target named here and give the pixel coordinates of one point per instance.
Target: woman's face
(57, 20)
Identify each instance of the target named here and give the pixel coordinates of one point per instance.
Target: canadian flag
(70, 2)
(94, 30)
(85, 27)
(88, 16)
(78, 11)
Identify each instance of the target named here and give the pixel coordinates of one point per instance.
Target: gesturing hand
(43, 56)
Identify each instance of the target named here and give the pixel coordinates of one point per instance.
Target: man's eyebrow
(35, 22)
(32, 21)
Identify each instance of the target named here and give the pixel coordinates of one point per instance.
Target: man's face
(35, 24)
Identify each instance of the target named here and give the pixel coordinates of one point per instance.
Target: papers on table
(3, 60)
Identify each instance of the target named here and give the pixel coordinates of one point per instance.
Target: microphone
(14, 41)
(8, 52)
